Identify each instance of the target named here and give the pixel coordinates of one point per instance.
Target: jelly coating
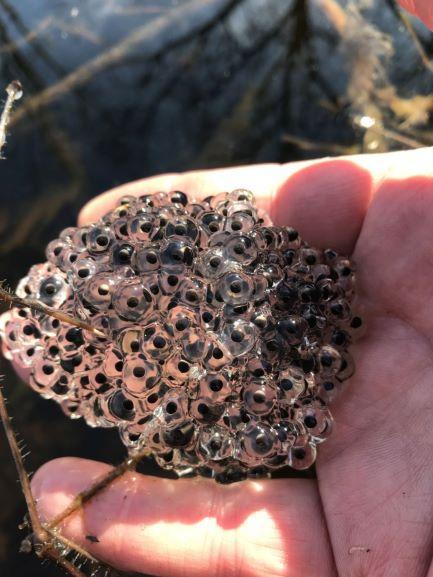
(225, 337)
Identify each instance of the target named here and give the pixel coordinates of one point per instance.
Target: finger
(317, 197)
(191, 527)
(325, 200)
(421, 8)
(262, 178)
(198, 184)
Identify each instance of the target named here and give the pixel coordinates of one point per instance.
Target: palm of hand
(375, 476)
(370, 511)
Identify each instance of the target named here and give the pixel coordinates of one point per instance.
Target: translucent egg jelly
(225, 336)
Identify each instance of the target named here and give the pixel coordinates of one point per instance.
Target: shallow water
(208, 83)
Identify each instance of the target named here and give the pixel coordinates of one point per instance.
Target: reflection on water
(119, 89)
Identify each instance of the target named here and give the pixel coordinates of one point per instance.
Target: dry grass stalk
(14, 92)
(38, 306)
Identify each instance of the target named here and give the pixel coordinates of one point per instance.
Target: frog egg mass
(220, 338)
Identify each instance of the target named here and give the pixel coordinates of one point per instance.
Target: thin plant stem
(45, 539)
(40, 307)
(14, 91)
(405, 20)
(203, 14)
(128, 464)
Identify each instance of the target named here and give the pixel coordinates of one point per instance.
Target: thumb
(191, 527)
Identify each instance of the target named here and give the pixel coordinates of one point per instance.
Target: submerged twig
(404, 19)
(309, 145)
(38, 306)
(38, 47)
(134, 10)
(58, 142)
(370, 124)
(45, 540)
(42, 26)
(163, 33)
(417, 43)
(14, 91)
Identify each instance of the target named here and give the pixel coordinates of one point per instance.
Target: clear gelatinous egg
(225, 338)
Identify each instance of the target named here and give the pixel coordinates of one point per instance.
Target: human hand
(370, 511)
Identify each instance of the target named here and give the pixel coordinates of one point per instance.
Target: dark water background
(210, 83)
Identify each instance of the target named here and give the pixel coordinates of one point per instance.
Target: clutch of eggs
(225, 336)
